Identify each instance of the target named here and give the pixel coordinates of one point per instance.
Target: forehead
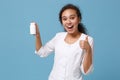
(69, 12)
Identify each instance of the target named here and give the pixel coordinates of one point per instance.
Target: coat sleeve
(48, 48)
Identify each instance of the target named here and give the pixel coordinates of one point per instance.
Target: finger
(37, 28)
(86, 38)
(81, 41)
(82, 44)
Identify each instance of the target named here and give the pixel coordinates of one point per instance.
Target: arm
(87, 62)
(87, 59)
(43, 50)
(38, 38)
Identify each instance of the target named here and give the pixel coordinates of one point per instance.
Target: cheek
(63, 23)
(76, 25)
(76, 22)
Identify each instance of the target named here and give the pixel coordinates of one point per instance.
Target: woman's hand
(84, 44)
(37, 30)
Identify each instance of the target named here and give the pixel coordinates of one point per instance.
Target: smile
(70, 27)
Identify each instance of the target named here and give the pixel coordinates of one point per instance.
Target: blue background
(17, 46)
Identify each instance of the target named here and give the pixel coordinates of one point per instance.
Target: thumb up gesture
(84, 44)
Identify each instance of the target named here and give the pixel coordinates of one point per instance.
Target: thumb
(86, 38)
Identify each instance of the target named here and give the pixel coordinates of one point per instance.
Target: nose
(68, 21)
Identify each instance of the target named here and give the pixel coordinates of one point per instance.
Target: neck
(74, 35)
(71, 38)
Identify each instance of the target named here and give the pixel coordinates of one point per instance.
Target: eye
(64, 19)
(72, 18)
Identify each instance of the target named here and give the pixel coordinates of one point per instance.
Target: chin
(70, 32)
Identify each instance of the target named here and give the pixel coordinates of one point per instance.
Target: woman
(73, 48)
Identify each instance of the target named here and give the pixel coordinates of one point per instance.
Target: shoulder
(61, 34)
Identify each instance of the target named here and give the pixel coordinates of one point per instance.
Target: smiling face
(70, 20)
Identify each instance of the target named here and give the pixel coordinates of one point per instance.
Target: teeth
(70, 26)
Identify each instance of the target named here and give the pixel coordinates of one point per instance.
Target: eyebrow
(70, 15)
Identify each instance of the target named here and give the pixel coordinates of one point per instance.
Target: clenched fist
(84, 44)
